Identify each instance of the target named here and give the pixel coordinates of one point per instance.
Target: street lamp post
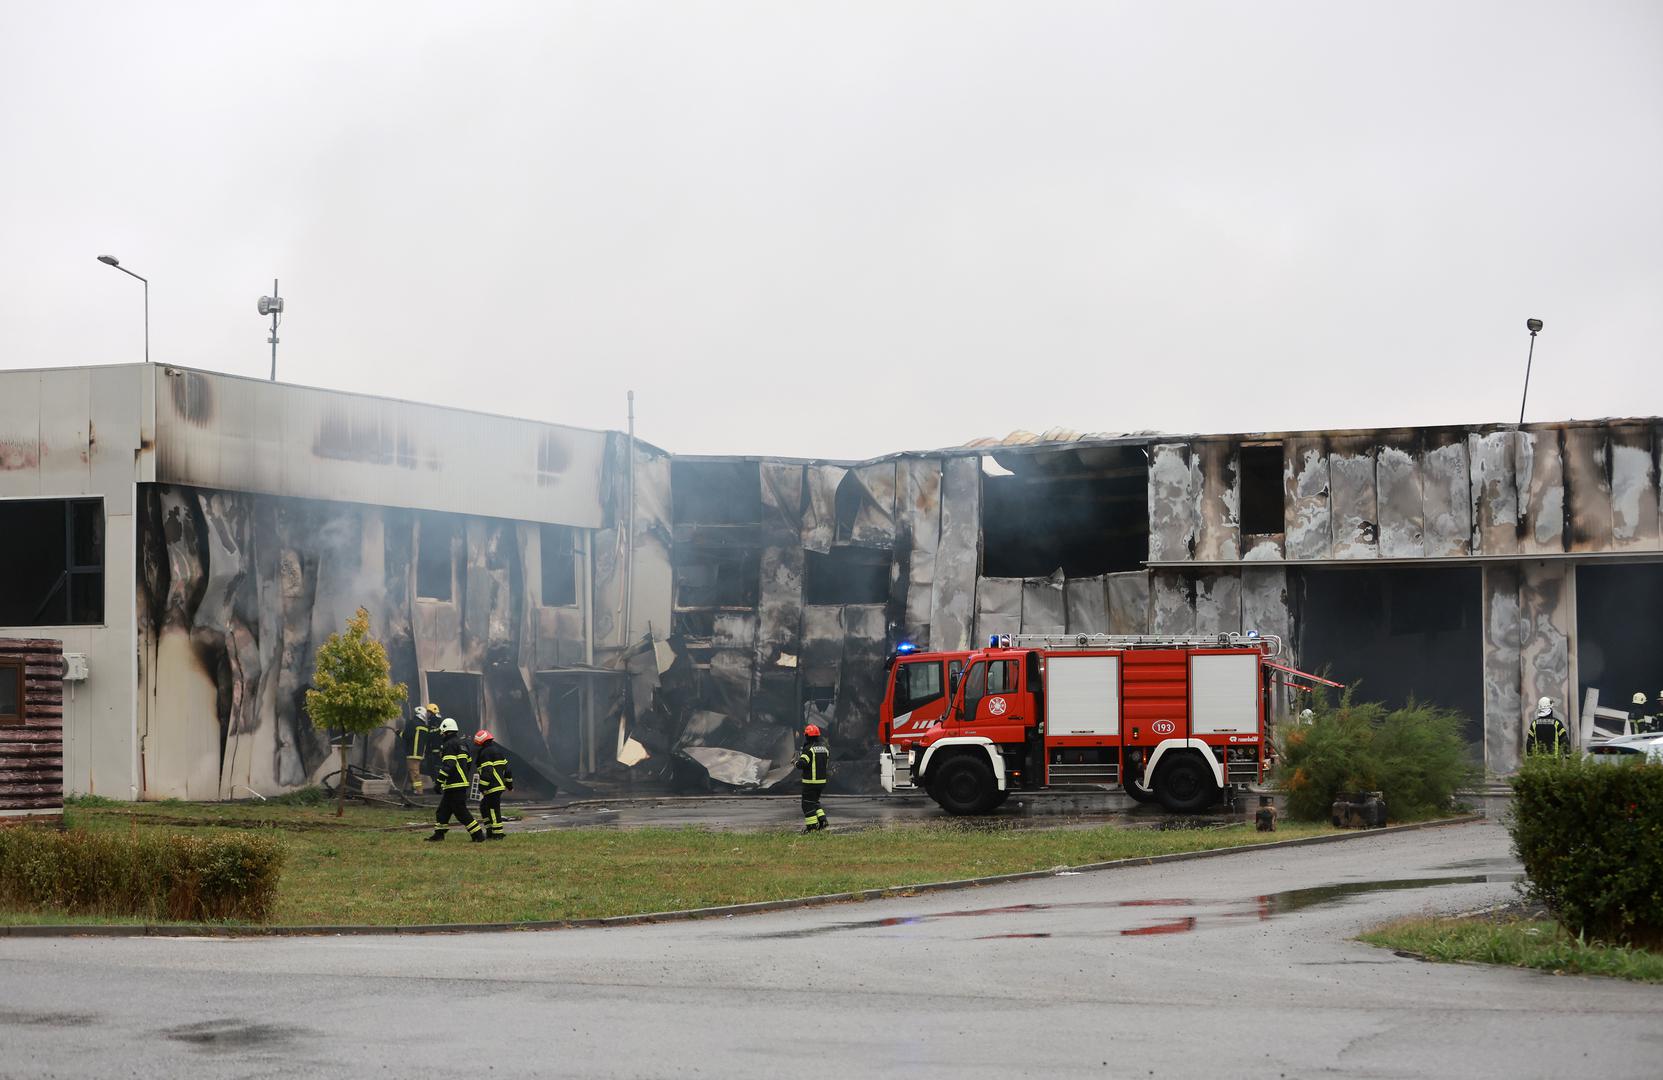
(1535, 327)
(111, 260)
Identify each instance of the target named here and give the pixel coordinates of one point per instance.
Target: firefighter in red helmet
(813, 763)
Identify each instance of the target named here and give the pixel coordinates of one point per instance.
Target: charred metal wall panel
(1218, 601)
(1504, 705)
(1088, 605)
(1218, 502)
(1172, 602)
(1634, 488)
(874, 522)
(1547, 611)
(998, 607)
(1264, 602)
(1045, 605)
(1174, 491)
(958, 557)
(1354, 508)
(1445, 501)
(1588, 488)
(820, 517)
(1309, 533)
(918, 535)
(1542, 488)
(1494, 459)
(1129, 603)
(1401, 503)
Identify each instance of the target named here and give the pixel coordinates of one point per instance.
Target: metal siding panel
(958, 557)
(1634, 512)
(1588, 488)
(1308, 533)
(1400, 499)
(1171, 604)
(1494, 459)
(1129, 602)
(1088, 605)
(65, 406)
(1044, 605)
(1218, 603)
(1547, 614)
(19, 433)
(1446, 501)
(1218, 499)
(348, 448)
(1356, 512)
(114, 431)
(1542, 482)
(1504, 709)
(1172, 504)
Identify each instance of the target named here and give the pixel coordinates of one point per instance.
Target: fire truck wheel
(964, 786)
(999, 798)
(1184, 785)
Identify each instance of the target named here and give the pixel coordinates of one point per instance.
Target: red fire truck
(1175, 719)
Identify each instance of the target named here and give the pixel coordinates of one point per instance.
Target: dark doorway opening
(1395, 633)
(459, 697)
(1619, 632)
(1084, 510)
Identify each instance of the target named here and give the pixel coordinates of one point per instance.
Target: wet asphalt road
(1229, 967)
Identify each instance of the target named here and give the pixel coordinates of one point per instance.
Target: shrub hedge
(1416, 756)
(1590, 836)
(167, 877)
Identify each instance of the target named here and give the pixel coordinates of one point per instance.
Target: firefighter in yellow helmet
(1547, 735)
(419, 733)
(453, 785)
(814, 763)
(495, 777)
(1639, 720)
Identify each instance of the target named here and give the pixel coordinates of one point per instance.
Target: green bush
(174, 878)
(1590, 836)
(306, 796)
(1416, 756)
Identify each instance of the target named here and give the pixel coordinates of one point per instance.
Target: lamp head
(1533, 325)
(109, 260)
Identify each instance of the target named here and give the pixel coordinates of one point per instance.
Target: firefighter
(453, 785)
(1639, 720)
(495, 777)
(814, 764)
(418, 734)
(1547, 735)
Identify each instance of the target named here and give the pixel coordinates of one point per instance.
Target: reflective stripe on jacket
(813, 763)
(494, 773)
(453, 764)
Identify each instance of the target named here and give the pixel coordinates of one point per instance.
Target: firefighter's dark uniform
(417, 734)
(453, 791)
(1547, 736)
(813, 763)
(495, 777)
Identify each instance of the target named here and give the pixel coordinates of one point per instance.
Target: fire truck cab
(1175, 719)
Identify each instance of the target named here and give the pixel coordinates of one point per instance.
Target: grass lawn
(366, 868)
(1527, 943)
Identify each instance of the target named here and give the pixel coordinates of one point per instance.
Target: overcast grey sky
(843, 229)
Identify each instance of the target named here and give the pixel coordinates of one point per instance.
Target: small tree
(353, 691)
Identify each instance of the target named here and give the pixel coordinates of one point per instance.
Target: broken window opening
(1261, 489)
(53, 554)
(559, 565)
(715, 492)
(846, 575)
(435, 557)
(1088, 515)
(11, 691)
(1396, 633)
(718, 578)
(1618, 638)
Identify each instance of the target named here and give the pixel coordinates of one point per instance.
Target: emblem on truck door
(1163, 727)
(996, 706)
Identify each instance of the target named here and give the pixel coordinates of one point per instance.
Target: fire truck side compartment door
(1224, 693)
(1082, 695)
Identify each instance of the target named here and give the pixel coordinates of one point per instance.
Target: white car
(1648, 748)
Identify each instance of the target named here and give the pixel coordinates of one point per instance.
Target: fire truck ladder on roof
(1269, 644)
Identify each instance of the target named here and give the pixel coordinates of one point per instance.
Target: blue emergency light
(906, 647)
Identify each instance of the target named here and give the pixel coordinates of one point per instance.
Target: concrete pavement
(1231, 967)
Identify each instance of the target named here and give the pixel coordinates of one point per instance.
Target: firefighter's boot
(438, 835)
(476, 832)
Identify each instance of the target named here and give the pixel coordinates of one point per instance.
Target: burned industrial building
(627, 619)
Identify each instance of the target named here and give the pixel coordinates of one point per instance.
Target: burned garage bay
(630, 620)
